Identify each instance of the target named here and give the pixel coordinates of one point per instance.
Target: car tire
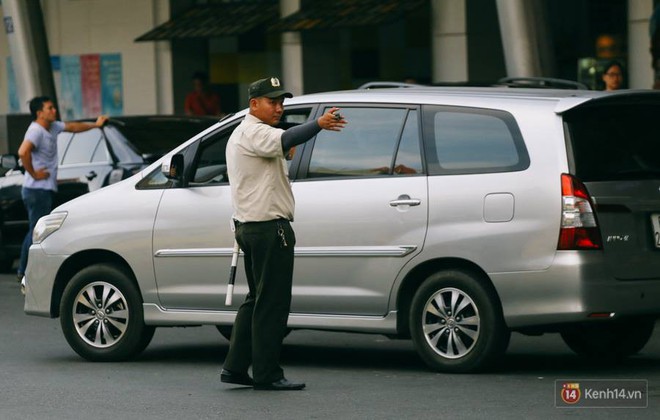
(456, 323)
(115, 333)
(610, 340)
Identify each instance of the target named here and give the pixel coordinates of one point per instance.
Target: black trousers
(260, 324)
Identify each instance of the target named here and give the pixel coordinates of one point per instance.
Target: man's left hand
(101, 121)
(332, 120)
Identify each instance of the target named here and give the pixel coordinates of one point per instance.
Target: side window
(365, 147)
(297, 116)
(82, 147)
(211, 164)
(155, 180)
(101, 153)
(290, 118)
(464, 141)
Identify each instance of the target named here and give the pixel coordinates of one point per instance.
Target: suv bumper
(575, 287)
(39, 281)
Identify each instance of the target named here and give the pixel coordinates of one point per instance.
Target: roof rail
(382, 85)
(513, 82)
(541, 82)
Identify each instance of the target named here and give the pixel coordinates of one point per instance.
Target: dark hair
(611, 64)
(37, 104)
(201, 76)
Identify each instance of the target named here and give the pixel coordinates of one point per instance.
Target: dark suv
(89, 161)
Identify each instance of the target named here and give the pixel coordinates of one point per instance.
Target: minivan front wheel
(101, 315)
(456, 324)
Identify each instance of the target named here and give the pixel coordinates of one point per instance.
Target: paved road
(349, 376)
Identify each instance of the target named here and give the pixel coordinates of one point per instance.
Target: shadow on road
(399, 355)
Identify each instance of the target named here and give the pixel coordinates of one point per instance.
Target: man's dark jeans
(38, 203)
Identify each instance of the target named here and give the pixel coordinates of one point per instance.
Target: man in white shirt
(263, 209)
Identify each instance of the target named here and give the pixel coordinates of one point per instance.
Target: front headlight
(47, 225)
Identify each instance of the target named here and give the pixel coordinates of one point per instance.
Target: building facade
(138, 56)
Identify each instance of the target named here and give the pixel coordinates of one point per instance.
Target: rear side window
(82, 147)
(615, 142)
(470, 140)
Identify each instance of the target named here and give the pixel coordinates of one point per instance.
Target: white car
(453, 216)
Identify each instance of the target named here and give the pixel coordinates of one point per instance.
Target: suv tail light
(579, 228)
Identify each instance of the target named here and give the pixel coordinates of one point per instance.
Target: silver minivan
(452, 216)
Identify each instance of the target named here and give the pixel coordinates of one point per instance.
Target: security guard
(263, 208)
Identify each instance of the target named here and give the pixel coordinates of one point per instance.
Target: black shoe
(281, 385)
(19, 276)
(230, 377)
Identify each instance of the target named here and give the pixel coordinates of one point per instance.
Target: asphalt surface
(348, 376)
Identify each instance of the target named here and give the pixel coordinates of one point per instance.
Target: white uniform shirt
(257, 171)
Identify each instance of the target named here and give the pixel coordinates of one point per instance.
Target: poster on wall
(69, 96)
(87, 85)
(112, 98)
(14, 106)
(90, 83)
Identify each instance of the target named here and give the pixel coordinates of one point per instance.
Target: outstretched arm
(303, 132)
(77, 127)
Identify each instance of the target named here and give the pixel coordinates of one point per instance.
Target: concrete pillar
(28, 45)
(640, 70)
(163, 56)
(292, 59)
(520, 38)
(449, 41)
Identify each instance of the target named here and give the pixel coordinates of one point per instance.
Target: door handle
(405, 200)
(91, 175)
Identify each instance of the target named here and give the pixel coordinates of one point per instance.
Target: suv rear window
(615, 142)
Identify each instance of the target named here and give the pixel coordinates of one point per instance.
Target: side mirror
(174, 168)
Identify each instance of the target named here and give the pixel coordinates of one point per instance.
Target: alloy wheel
(100, 314)
(451, 323)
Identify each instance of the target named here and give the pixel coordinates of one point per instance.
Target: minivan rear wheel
(456, 324)
(101, 315)
(610, 340)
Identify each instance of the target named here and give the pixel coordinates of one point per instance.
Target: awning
(218, 19)
(345, 13)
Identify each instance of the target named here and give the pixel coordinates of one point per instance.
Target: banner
(111, 84)
(70, 96)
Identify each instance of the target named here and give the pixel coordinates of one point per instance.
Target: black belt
(281, 219)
